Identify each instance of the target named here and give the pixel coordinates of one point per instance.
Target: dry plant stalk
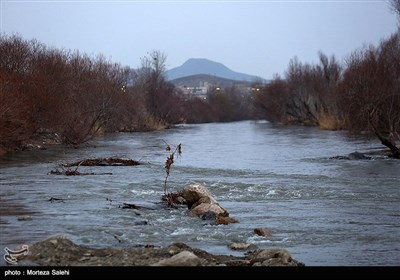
(169, 161)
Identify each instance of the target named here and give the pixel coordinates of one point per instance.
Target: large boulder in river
(195, 194)
(201, 201)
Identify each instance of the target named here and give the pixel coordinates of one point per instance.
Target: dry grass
(330, 122)
(155, 124)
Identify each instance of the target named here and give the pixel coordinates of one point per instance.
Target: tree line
(71, 97)
(362, 95)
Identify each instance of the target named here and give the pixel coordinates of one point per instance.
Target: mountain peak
(196, 66)
(202, 61)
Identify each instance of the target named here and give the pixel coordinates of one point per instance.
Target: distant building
(200, 85)
(198, 91)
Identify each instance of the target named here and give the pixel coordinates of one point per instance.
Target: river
(326, 212)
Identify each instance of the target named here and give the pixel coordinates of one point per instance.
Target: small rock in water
(24, 218)
(242, 246)
(357, 156)
(262, 232)
(141, 223)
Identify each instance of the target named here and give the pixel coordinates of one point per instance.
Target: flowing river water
(324, 211)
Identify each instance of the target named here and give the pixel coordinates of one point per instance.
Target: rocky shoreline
(60, 251)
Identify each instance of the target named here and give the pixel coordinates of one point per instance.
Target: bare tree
(155, 86)
(273, 99)
(370, 92)
(155, 62)
(394, 6)
(306, 96)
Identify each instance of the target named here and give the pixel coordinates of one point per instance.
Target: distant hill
(197, 66)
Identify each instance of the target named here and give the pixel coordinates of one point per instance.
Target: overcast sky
(253, 37)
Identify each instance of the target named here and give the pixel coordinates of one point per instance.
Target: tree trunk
(388, 143)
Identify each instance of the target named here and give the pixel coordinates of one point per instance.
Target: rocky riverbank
(60, 251)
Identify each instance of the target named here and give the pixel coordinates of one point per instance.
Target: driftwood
(174, 199)
(115, 236)
(56, 199)
(75, 172)
(68, 171)
(129, 206)
(103, 162)
(134, 206)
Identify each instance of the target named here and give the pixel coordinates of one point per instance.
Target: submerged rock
(358, 156)
(352, 156)
(141, 223)
(24, 218)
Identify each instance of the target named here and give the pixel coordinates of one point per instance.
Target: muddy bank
(60, 251)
